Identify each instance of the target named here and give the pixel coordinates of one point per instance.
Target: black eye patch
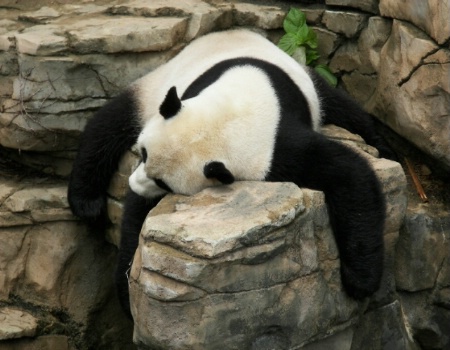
(161, 184)
(144, 154)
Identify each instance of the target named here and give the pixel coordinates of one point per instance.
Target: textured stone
(56, 342)
(383, 328)
(290, 268)
(43, 15)
(360, 86)
(22, 205)
(15, 323)
(371, 41)
(192, 234)
(422, 250)
(328, 42)
(203, 17)
(260, 16)
(365, 5)
(346, 59)
(49, 106)
(279, 272)
(413, 97)
(42, 40)
(119, 34)
(433, 16)
(347, 23)
(37, 198)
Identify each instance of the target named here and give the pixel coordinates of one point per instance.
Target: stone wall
(60, 62)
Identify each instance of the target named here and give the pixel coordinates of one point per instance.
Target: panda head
(180, 152)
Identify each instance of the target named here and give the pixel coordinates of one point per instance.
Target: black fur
(107, 136)
(171, 104)
(355, 202)
(282, 82)
(134, 214)
(340, 109)
(217, 170)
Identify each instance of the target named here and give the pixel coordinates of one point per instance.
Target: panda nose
(161, 184)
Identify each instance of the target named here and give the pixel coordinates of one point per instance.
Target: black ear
(171, 104)
(217, 170)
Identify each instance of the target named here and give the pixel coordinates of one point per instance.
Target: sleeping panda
(232, 106)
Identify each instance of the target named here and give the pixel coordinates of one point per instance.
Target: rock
(49, 107)
(203, 17)
(383, 328)
(57, 270)
(313, 15)
(346, 59)
(347, 23)
(260, 16)
(193, 236)
(370, 43)
(102, 34)
(59, 342)
(422, 249)
(217, 272)
(411, 95)
(119, 34)
(365, 5)
(360, 86)
(328, 42)
(198, 252)
(15, 323)
(432, 16)
(43, 15)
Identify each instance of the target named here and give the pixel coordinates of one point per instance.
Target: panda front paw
(360, 283)
(90, 209)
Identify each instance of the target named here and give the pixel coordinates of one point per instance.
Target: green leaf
(294, 20)
(325, 72)
(311, 56)
(300, 55)
(311, 39)
(288, 43)
(302, 34)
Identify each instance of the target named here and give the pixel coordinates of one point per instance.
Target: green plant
(300, 42)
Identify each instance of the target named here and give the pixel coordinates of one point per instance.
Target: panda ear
(171, 104)
(217, 170)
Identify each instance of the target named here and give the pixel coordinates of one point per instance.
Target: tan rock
(344, 22)
(413, 97)
(365, 5)
(203, 17)
(260, 16)
(119, 34)
(433, 16)
(15, 323)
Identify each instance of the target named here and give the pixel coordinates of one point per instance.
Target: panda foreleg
(107, 136)
(135, 211)
(354, 199)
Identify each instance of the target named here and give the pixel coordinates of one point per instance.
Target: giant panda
(232, 106)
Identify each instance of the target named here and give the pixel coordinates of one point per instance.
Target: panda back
(206, 52)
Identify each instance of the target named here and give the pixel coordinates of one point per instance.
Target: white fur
(209, 127)
(205, 52)
(233, 121)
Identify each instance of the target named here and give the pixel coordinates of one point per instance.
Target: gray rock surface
(208, 257)
(60, 62)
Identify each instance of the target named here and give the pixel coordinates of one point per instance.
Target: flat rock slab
(239, 220)
(15, 323)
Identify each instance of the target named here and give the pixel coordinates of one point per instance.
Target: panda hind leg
(355, 203)
(135, 211)
(340, 109)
